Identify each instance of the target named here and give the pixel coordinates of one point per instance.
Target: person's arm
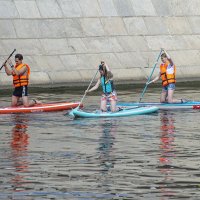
(109, 76)
(107, 68)
(95, 86)
(13, 70)
(109, 73)
(168, 58)
(7, 70)
(154, 80)
(21, 71)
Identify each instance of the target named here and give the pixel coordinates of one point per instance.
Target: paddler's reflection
(167, 137)
(19, 147)
(106, 142)
(167, 149)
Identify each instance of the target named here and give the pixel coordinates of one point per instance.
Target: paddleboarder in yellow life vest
(168, 75)
(109, 93)
(20, 73)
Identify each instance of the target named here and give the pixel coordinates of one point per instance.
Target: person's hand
(164, 50)
(86, 91)
(10, 63)
(148, 83)
(4, 64)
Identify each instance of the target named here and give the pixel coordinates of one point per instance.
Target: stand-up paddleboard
(122, 113)
(44, 107)
(165, 106)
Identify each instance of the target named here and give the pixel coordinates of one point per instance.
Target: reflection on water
(106, 143)
(51, 156)
(14, 142)
(167, 137)
(167, 148)
(106, 155)
(19, 147)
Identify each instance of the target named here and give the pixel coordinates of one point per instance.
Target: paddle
(149, 78)
(86, 90)
(8, 58)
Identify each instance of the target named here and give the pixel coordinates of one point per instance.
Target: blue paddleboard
(122, 113)
(164, 106)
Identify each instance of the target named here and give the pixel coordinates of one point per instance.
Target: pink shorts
(109, 97)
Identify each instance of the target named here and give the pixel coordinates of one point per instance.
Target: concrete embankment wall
(64, 40)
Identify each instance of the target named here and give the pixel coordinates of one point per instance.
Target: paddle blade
(71, 113)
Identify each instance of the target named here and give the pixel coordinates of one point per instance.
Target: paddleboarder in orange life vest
(20, 73)
(168, 75)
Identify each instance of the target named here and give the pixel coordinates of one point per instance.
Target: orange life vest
(167, 73)
(21, 80)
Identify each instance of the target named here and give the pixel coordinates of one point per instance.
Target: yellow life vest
(167, 73)
(21, 80)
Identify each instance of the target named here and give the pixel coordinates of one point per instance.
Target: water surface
(52, 156)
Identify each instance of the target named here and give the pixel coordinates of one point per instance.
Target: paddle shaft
(88, 88)
(8, 58)
(149, 78)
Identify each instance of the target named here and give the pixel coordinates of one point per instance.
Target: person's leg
(25, 98)
(26, 102)
(170, 96)
(20, 102)
(24, 93)
(113, 102)
(103, 104)
(30, 103)
(15, 97)
(171, 99)
(163, 96)
(113, 105)
(171, 89)
(14, 100)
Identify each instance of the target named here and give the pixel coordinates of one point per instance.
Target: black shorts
(21, 91)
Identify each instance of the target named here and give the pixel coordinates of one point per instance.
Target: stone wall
(64, 40)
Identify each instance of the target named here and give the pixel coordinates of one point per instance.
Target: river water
(52, 156)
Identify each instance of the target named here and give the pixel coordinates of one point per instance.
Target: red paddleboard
(44, 107)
